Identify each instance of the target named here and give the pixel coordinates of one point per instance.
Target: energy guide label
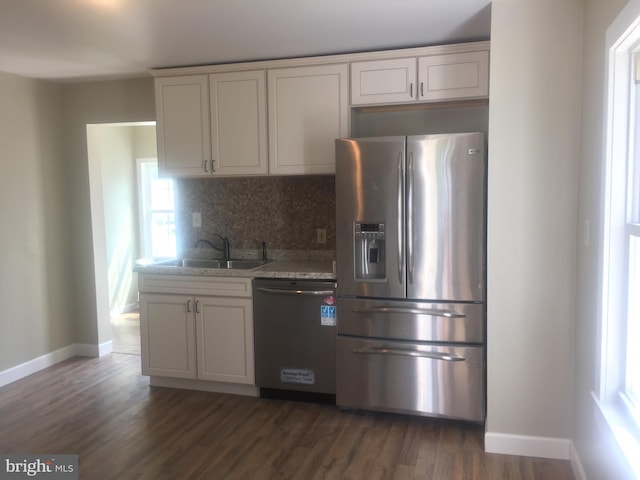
(328, 315)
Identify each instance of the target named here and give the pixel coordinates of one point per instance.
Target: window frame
(622, 151)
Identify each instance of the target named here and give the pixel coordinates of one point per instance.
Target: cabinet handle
(197, 306)
(422, 89)
(205, 166)
(188, 306)
(213, 165)
(411, 90)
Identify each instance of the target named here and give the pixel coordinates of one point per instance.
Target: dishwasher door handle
(284, 291)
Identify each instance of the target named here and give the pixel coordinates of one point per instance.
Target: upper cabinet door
(454, 76)
(308, 110)
(383, 81)
(182, 115)
(238, 123)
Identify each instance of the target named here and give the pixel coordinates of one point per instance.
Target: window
(157, 212)
(631, 389)
(619, 395)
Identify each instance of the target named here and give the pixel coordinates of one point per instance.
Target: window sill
(614, 419)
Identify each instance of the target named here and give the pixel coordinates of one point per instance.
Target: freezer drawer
(411, 321)
(418, 379)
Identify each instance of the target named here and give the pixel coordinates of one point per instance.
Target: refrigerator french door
(410, 231)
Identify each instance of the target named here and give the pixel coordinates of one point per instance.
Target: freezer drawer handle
(447, 357)
(278, 291)
(418, 311)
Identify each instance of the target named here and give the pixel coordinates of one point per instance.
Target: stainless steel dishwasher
(295, 336)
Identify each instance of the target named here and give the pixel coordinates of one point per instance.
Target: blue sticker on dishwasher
(328, 315)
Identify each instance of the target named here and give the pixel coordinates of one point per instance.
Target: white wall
(145, 145)
(94, 103)
(35, 280)
(534, 124)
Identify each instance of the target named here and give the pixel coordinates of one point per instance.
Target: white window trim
(622, 36)
(144, 240)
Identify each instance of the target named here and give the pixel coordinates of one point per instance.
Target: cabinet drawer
(195, 285)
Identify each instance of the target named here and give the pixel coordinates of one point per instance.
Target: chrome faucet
(226, 246)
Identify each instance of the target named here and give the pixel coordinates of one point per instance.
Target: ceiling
(93, 39)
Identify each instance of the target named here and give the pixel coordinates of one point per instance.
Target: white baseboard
(576, 464)
(47, 360)
(89, 350)
(542, 447)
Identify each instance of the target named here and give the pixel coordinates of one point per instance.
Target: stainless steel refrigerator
(410, 233)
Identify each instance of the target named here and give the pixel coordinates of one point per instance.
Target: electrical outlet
(321, 233)
(196, 220)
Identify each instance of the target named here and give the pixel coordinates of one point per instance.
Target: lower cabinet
(167, 335)
(198, 337)
(224, 333)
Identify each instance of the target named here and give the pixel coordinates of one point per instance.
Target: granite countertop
(311, 267)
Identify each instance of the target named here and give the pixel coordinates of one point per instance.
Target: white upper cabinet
(383, 81)
(212, 124)
(238, 123)
(454, 76)
(182, 116)
(226, 120)
(451, 76)
(308, 110)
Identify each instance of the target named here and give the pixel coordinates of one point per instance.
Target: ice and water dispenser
(369, 244)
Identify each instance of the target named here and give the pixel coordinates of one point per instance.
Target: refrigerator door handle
(410, 266)
(400, 198)
(418, 311)
(447, 357)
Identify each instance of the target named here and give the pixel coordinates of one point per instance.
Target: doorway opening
(119, 220)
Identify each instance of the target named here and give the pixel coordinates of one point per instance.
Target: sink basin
(203, 263)
(243, 264)
(198, 263)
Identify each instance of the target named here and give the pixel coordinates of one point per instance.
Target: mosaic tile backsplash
(282, 211)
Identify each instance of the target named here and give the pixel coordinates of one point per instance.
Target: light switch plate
(322, 235)
(196, 220)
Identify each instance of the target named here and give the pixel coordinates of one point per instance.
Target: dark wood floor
(104, 411)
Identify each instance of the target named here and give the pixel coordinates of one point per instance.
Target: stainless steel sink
(202, 263)
(244, 264)
(199, 263)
